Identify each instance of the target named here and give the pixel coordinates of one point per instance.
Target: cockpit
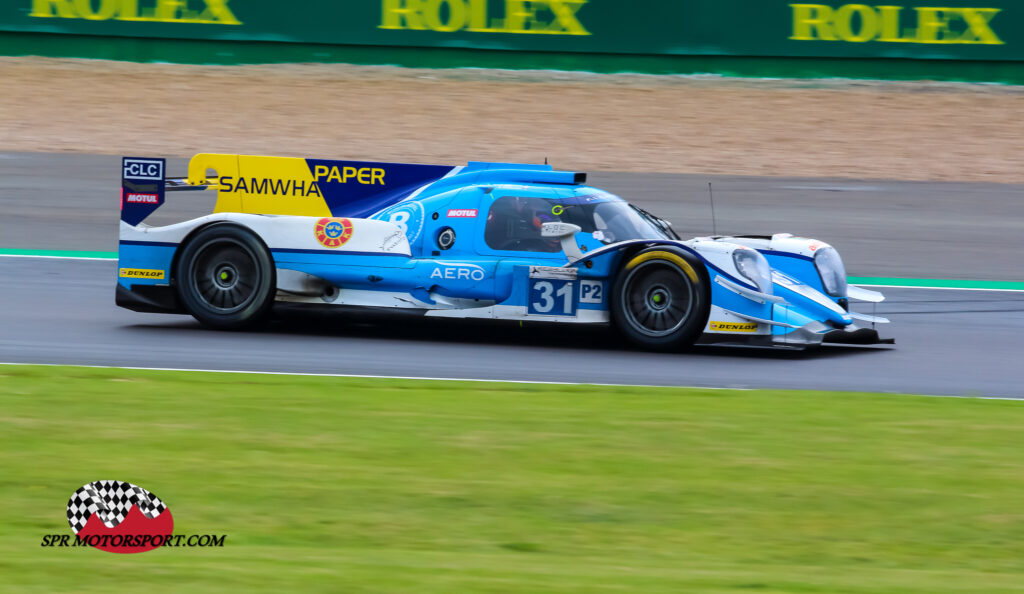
(514, 223)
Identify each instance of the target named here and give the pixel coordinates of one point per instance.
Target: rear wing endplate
(144, 182)
(142, 187)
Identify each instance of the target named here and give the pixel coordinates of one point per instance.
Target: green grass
(357, 485)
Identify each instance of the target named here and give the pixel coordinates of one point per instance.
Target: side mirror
(566, 232)
(559, 229)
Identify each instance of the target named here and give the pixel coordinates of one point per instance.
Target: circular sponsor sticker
(409, 218)
(333, 233)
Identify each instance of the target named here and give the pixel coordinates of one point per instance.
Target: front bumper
(818, 333)
(810, 335)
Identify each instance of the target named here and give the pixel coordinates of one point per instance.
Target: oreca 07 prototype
(485, 240)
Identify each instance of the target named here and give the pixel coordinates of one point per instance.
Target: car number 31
(555, 297)
(552, 297)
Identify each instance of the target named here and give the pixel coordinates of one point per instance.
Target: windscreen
(514, 223)
(608, 218)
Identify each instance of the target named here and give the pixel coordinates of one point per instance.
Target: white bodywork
(284, 232)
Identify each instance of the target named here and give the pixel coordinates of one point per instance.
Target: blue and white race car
(485, 240)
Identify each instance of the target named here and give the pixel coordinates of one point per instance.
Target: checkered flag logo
(111, 500)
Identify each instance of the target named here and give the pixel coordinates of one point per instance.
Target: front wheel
(225, 278)
(661, 298)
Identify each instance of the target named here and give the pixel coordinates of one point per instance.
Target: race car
(502, 241)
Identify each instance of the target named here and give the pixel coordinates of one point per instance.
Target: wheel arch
(630, 252)
(222, 223)
(627, 250)
(691, 262)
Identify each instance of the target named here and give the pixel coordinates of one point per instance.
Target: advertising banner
(959, 29)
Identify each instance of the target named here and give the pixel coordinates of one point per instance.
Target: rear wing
(309, 187)
(276, 185)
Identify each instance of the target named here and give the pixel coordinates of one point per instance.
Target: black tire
(661, 298)
(225, 278)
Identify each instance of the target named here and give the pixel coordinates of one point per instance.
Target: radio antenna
(711, 196)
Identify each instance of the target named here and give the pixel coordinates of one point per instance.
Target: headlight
(833, 273)
(753, 265)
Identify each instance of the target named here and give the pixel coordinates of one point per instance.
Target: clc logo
(144, 169)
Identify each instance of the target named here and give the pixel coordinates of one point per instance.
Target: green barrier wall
(976, 36)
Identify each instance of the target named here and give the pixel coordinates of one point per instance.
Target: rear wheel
(225, 278)
(660, 299)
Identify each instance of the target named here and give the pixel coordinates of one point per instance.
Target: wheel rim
(658, 298)
(225, 275)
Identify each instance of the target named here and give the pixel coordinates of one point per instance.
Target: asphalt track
(949, 342)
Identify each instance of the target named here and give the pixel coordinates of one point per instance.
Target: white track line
(499, 381)
(943, 288)
(58, 257)
(358, 376)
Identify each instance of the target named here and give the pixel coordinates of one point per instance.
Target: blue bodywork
(456, 265)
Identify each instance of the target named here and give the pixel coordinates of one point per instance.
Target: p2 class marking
(591, 291)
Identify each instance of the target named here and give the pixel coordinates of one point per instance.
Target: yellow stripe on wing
(261, 185)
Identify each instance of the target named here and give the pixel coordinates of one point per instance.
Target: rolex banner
(959, 29)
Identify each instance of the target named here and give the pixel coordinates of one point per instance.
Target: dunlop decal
(141, 273)
(734, 326)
